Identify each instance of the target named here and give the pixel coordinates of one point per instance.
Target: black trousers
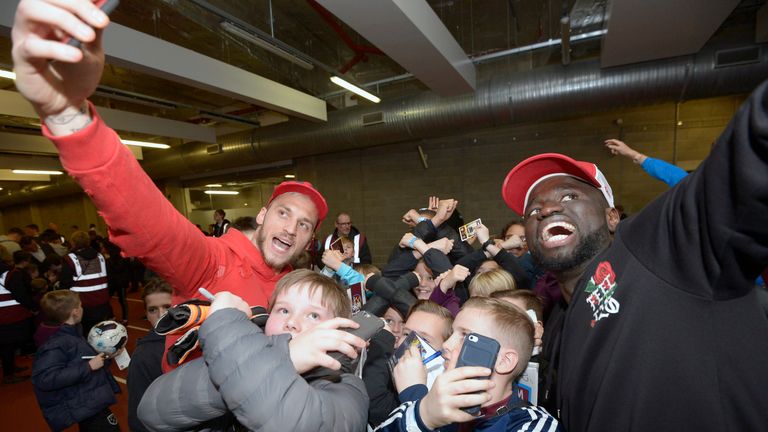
(104, 421)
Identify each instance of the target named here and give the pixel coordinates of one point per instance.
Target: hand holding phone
(106, 6)
(443, 405)
(478, 350)
(333, 344)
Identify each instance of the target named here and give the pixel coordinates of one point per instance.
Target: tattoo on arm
(70, 121)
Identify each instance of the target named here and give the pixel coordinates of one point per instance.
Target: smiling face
(568, 222)
(295, 310)
(285, 228)
(426, 283)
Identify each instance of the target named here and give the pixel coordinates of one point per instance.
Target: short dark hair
(26, 240)
(16, 230)
(33, 226)
(507, 226)
(221, 212)
(156, 285)
(21, 256)
(245, 223)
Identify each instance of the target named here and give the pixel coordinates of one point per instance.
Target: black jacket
(145, 368)
(664, 330)
(378, 379)
(67, 390)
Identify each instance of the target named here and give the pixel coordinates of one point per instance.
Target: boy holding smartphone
(261, 377)
(464, 387)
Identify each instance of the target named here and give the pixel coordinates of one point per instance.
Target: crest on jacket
(600, 290)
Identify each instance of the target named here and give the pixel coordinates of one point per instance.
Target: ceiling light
(266, 44)
(7, 74)
(145, 144)
(290, 176)
(354, 89)
(213, 185)
(41, 172)
(221, 192)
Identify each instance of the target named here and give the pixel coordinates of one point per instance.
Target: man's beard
(588, 248)
(275, 265)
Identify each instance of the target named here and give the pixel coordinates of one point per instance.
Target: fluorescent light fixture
(7, 74)
(354, 89)
(41, 172)
(213, 185)
(145, 144)
(290, 176)
(266, 44)
(221, 192)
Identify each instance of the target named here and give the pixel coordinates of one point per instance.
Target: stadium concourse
(18, 406)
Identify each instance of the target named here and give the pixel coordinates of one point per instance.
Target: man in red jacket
(57, 79)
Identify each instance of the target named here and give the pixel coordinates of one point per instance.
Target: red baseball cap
(527, 174)
(304, 188)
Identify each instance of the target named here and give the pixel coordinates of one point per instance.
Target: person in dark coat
(72, 381)
(147, 358)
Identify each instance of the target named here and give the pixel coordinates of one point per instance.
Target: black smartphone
(478, 350)
(369, 325)
(106, 6)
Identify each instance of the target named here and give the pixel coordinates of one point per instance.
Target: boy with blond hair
(256, 375)
(501, 408)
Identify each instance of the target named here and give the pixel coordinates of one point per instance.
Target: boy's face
(349, 250)
(296, 311)
(468, 320)
(429, 326)
(77, 313)
(426, 284)
(157, 304)
(395, 323)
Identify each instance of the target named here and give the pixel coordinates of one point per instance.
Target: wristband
(486, 244)
(412, 241)
(422, 219)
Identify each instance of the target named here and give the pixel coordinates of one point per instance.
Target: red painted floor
(18, 407)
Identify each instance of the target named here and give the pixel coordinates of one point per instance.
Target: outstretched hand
(54, 77)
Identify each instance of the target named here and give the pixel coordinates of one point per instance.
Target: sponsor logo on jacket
(600, 290)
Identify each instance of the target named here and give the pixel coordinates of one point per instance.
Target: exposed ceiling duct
(502, 98)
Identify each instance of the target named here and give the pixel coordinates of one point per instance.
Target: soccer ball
(108, 337)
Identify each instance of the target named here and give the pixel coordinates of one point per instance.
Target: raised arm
(56, 79)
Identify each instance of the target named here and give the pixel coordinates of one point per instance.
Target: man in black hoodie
(662, 330)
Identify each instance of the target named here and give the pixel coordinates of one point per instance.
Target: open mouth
(281, 244)
(557, 233)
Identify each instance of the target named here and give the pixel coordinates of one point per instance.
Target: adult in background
(220, 225)
(56, 79)
(664, 310)
(344, 228)
(85, 272)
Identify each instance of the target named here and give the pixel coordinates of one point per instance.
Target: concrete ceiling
(172, 65)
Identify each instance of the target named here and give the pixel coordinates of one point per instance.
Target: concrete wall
(378, 185)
